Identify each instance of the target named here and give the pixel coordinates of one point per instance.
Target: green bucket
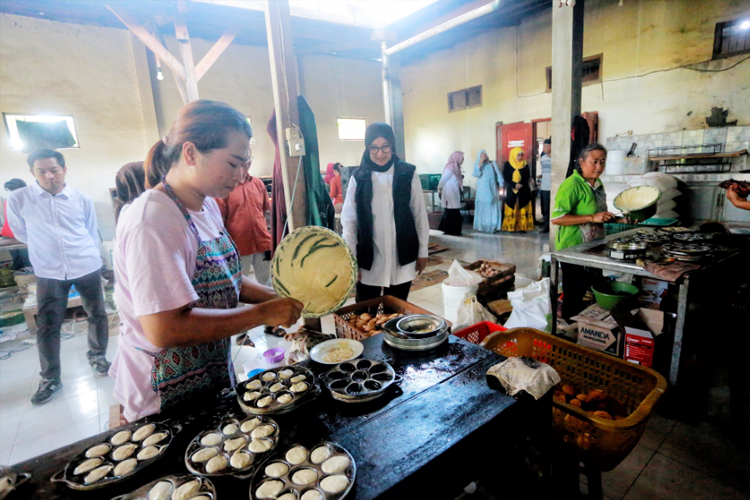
(609, 294)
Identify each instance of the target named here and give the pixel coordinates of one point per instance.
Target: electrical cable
(64, 335)
(684, 66)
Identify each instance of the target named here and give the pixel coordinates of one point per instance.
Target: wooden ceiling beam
(180, 83)
(149, 41)
(218, 48)
(186, 50)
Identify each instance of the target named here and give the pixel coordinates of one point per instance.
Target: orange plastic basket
(598, 442)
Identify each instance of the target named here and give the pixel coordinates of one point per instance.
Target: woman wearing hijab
(384, 219)
(450, 188)
(518, 214)
(487, 217)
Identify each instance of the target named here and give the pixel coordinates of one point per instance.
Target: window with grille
(591, 72)
(732, 38)
(464, 99)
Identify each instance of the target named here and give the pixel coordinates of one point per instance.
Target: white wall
(638, 41)
(101, 77)
(49, 68)
(336, 87)
(241, 77)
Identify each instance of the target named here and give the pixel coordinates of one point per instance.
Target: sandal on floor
(276, 332)
(244, 340)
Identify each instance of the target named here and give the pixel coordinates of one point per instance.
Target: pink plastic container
(274, 356)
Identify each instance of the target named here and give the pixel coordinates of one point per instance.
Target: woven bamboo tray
(386, 304)
(504, 279)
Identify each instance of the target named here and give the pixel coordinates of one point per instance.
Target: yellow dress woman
(517, 214)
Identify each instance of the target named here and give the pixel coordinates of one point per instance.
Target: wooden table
(429, 437)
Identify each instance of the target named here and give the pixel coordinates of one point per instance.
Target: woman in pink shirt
(178, 272)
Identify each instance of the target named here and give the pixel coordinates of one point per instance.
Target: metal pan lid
(627, 245)
(421, 325)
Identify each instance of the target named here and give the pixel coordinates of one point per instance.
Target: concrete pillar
(567, 61)
(397, 104)
(393, 97)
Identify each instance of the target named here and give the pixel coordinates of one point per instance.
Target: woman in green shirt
(581, 211)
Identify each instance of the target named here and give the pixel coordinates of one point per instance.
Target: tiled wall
(733, 138)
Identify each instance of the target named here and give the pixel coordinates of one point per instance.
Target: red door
(515, 135)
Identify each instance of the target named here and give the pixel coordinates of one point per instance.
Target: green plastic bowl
(609, 294)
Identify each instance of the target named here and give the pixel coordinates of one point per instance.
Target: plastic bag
(472, 312)
(531, 307)
(670, 194)
(660, 180)
(458, 276)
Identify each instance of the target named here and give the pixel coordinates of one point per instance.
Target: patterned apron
(180, 373)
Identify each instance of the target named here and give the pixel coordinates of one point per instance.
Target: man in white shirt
(546, 187)
(58, 224)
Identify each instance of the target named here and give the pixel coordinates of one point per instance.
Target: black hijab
(374, 131)
(407, 240)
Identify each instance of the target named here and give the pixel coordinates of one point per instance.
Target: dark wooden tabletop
(442, 415)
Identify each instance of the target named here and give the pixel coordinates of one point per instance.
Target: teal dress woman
(487, 215)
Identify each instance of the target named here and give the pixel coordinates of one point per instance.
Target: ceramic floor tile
(617, 482)
(433, 291)
(436, 309)
(5, 454)
(657, 430)
(13, 403)
(11, 382)
(712, 451)
(105, 394)
(667, 478)
(435, 299)
(8, 431)
(522, 250)
(73, 386)
(422, 294)
(29, 448)
(55, 415)
(26, 361)
(104, 421)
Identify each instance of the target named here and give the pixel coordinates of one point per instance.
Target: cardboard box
(652, 290)
(598, 330)
(641, 327)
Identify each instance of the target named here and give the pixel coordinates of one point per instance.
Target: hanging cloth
(320, 210)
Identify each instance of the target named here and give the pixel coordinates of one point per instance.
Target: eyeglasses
(385, 149)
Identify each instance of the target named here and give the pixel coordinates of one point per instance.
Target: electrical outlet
(295, 142)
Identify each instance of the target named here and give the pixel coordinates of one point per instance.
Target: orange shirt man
(244, 213)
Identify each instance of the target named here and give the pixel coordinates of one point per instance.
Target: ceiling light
(745, 25)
